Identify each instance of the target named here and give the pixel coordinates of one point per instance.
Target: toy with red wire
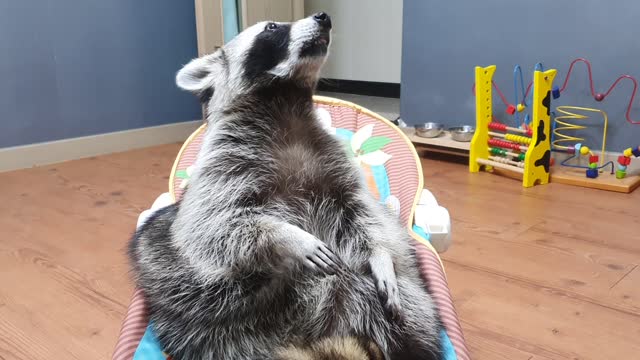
(511, 109)
(561, 125)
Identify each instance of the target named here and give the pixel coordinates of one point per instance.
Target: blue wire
(563, 163)
(517, 70)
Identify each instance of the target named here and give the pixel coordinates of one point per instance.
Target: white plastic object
(161, 201)
(434, 220)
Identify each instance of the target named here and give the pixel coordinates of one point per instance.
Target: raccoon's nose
(323, 19)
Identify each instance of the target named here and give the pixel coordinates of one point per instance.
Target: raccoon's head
(262, 53)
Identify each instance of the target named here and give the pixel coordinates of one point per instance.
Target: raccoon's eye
(271, 26)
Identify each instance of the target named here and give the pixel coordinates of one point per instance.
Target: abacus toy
(495, 145)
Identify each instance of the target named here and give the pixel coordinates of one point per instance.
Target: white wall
(367, 38)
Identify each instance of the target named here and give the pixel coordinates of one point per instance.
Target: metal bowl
(429, 130)
(462, 133)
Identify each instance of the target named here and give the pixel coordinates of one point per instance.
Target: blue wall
(444, 40)
(72, 68)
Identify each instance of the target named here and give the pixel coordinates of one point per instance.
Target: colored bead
(628, 152)
(504, 144)
(636, 152)
(622, 167)
(497, 126)
(571, 150)
(556, 92)
(592, 173)
(620, 174)
(518, 138)
(552, 161)
(593, 165)
(521, 107)
(593, 158)
(521, 157)
(623, 160)
(511, 109)
(599, 97)
(529, 132)
(584, 150)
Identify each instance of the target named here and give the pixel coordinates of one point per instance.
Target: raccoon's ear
(199, 75)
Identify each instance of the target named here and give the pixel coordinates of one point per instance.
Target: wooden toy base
(559, 174)
(604, 181)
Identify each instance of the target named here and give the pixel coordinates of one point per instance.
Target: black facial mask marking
(269, 49)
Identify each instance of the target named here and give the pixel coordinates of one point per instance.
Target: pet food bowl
(462, 133)
(429, 130)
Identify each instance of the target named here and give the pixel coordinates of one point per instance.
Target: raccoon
(348, 348)
(277, 242)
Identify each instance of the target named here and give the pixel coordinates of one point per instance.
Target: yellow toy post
(484, 114)
(538, 156)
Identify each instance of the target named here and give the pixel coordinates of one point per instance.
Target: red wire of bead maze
(596, 96)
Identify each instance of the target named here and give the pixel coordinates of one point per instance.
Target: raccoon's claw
(317, 265)
(322, 260)
(390, 297)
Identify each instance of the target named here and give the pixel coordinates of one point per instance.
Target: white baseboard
(20, 157)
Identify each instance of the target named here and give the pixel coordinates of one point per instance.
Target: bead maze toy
(495, 146)
(566, 144)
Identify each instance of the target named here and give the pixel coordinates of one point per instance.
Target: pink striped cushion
(133, 328)
(404, 175)
(405, 182)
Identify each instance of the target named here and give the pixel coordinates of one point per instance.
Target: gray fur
(277, 241)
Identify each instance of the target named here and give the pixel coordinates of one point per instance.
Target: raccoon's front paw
(390, 298)
(386, 282)
(317, 257)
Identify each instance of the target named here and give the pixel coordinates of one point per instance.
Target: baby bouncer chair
(393, 174)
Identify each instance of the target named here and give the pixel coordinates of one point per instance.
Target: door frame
(209, 26)
(210, 22)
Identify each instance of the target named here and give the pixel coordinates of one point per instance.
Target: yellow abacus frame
(532, 174)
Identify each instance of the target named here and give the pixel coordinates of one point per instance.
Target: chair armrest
(433, 220)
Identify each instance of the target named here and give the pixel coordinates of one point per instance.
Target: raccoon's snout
(323, 19)
(317, 37)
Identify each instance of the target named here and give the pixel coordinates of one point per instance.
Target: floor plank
(542, 320)
(627, 290)
(551, 272)
(63, 268)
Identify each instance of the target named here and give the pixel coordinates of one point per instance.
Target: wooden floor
(544, 273)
